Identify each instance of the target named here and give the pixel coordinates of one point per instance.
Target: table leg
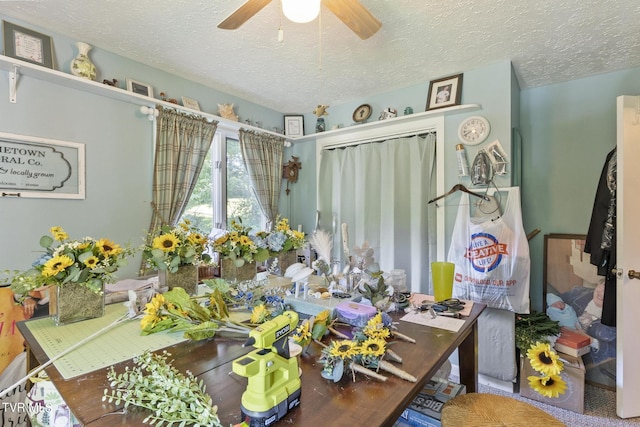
(468, 360)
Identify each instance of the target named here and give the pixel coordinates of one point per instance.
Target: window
(223, 190)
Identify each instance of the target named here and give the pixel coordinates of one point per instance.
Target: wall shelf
(388, 127)
(18, 69)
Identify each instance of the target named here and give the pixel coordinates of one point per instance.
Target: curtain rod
(380, 139)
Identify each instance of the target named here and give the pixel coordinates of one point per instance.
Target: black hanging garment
(601, 237)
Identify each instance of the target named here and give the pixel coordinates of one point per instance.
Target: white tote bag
(492, 257)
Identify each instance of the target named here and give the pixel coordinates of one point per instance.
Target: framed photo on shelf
(27, 45)
(294, 125)
(139, 88)
(190, 103)
(444, 92)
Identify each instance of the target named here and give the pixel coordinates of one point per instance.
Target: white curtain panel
(380, 190)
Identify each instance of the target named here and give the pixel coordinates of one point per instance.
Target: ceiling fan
(351, 12)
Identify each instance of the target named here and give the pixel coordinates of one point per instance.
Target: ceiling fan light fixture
(301, 11)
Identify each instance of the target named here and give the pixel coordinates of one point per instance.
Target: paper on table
(442, 322)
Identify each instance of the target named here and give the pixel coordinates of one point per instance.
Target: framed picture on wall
(27, 45)
(139, 88)
(445, 92)
(574, 295)
(294, 125)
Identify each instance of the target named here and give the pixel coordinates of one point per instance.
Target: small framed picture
(190, 103)
(445, 92)
(27, 45)
(294, 125)
(139, 88)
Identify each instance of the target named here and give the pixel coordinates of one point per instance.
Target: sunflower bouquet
(87, 261)
(548, 364)
(172, 247)
(198, 318)
(364, 353)
(282, 239)
(239, 246)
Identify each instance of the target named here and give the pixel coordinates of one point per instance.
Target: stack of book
(573, 342)
(426, 408)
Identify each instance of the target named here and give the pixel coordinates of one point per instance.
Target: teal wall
(567, 130)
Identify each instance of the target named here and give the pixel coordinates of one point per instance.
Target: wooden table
(346, 403)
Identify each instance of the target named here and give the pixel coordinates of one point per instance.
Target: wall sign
(38, 167)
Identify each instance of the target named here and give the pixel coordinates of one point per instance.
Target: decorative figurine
(163, 96)
(388, 113)
(321, 110)
(113, 82)
(226, 112)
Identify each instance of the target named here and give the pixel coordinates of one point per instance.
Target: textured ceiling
(548, 41)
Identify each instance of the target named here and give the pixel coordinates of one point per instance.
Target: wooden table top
(346, 403)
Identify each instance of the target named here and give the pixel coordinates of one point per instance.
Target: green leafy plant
(533, 328)
(172, 397)
(239, 246)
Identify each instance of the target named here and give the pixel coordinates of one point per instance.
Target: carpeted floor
(599, 408)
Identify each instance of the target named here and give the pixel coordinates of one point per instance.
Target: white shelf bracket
(13, 83)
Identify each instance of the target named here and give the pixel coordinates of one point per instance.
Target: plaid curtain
(182, 143)
(262, 154)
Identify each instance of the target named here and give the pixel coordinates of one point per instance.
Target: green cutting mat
(120, 343)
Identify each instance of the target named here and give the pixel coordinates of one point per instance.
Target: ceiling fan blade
(355, 16)
(243, 14)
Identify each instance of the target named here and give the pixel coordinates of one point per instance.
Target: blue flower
(41, 261)
(276, 241)
(259, 241)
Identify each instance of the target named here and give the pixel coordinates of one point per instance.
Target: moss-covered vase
(73, 302)
(186, 278)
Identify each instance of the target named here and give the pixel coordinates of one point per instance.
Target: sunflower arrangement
(237, 244)
(171, 247)
(545, 361)
(363, 353)
(87, 261)
(198, 317)
(282, 239)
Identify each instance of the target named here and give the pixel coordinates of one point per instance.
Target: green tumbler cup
(442, 275)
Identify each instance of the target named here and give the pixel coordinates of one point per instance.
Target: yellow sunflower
(55, 265)
(259, 314)
(58, 233)
(549, 386)
(544, 360)
(149, 321)
(91, 262)
(221, 240)
(245, 240)
(322, 317)
(156, 303)
(107, 248)
(375, 328)
(343, 349)
(373, 347)
(166, 242)
(302, 335)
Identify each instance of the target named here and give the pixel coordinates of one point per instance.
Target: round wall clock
(473, 130)
(362, 113)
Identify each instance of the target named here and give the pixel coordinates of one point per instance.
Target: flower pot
(186, 278)
(286, 259)
(73, 302)
(231, 273)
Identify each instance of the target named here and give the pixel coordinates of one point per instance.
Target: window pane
(241, 201)
(199, 210)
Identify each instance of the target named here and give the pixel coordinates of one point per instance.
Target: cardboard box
(573, 374)
(426, 408)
